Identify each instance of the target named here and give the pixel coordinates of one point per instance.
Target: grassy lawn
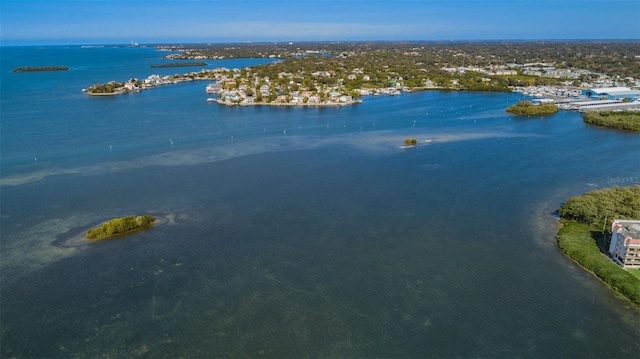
(576, 240)
(635, 272)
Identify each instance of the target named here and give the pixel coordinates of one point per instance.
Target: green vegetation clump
(119, 225)
(527, 108)
(592, 208)
(583, 217)
(112, 87)
(41, 68)
(621, 120)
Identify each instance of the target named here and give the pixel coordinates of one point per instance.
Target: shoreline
(106, 94)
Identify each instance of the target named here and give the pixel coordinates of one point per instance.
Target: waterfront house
(314, 99)
(297, 98)
(625, 243)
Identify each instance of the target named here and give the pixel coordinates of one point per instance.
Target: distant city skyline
(118, 22)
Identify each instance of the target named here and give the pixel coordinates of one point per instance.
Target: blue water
(292, 232)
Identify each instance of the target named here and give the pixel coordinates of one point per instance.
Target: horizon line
(154, 43)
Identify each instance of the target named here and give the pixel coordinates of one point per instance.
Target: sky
(34, 22)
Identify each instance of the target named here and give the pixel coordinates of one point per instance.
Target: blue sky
(146, 21)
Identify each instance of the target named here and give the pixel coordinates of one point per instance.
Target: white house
(314, 99)
(625, 243)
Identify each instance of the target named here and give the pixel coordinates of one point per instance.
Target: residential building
(506, 72)
(625, 243)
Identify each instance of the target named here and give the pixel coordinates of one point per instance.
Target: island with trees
(119, 226)
(41, 68)
(527, 108)
(585, 221)
(620, 120)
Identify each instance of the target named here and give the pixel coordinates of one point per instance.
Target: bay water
(292, 231)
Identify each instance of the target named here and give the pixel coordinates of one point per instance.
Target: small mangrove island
(410, 142)
(527, 108)
(583, 238)
(179, 64)
(41, 68)
(119, 226)
(619, 120)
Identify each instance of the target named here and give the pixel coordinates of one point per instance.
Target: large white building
(612, 93)
(625, 243)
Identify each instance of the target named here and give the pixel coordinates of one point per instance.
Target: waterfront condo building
(625, 243)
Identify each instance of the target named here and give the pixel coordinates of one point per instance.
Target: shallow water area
(295, 232)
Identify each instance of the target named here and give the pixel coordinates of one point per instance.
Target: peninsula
(119, 226)
(583, 239)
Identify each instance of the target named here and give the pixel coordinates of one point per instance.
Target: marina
(580, 99)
